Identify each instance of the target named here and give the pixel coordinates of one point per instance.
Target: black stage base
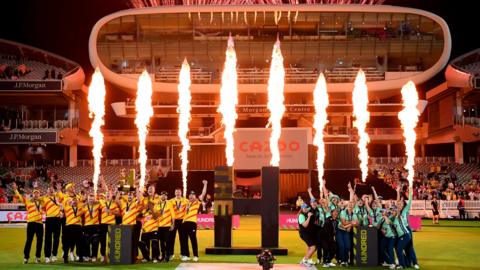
(244, 251)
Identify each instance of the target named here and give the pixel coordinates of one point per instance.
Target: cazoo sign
(252, 148)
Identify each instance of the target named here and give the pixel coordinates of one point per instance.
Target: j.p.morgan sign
(28, 137)
(31, 86)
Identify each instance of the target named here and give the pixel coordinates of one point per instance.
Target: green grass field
(450, 245)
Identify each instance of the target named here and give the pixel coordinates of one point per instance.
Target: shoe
(86, 259)
(144, 260)
(384, 264)
(171, 257)
(47, 260)
(310, 261)
(102, 259)
(399, 267)
(331, 264)
(53, 259)
(38, 260)
(155, 261)
(305, 263)
(416, 266)
(392, 266)
(161, 259)
(185, 259)
(25, 261)
(326, 265)
(195, 259)
(71, 257)
(344, 264)
(94, 259)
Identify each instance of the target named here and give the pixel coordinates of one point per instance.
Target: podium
(120, 250)
(365, 246)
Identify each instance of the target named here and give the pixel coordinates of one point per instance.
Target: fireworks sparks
(320, 99)
(229, 99)
(96, 106)
(143, 106)
(275, 105)
(362, 117)
(184, 107)
(409, 119)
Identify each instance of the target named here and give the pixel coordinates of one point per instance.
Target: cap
(164, 193)
(36, 191)
(312, 200)
(380, 197)
(304, 205)
(192, 192)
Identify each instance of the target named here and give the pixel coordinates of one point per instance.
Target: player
(109, 209)
(189, 225)
(72, 234)
(166, 225)
(179, 204)
(33, 206)
(51, 204)
(91, 228)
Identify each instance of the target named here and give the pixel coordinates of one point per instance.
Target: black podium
(365, 246)
(120, 249)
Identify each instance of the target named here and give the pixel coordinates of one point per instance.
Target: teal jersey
(362, 215)
(400, 227)
(324, 214)
(347, 217)
(301, 219)
(406, 210)
(388, 229)
(375, 216)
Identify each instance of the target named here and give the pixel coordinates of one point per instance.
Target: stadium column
(72, 153)
(458, 151)
(389, 151)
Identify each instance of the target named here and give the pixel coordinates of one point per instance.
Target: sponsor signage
(24, 137)
(31, 86)
(252, 148)
(365, 246)
(289, 109)
(120, 244)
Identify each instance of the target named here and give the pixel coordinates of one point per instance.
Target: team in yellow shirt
(86, 219)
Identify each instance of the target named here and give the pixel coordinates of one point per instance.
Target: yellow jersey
(51, 204)
(129, 211)
(92, 214)
(179, 207)
(191, 211)
(108, 208)
(34, 208)
(166, 214)
(150, 221)
(73, 214)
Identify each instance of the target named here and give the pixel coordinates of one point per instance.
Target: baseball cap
(312, 200)
(304, 205)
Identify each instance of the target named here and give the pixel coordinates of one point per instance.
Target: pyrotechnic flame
(362, 117)
(409, 119)
(184, 107)
(275, 105)
(96, 106)
(320, 99)
(143, 106)
(229, 99)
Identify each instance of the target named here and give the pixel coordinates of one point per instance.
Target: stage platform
(239, 266)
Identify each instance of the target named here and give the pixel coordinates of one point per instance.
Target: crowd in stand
(13, 72)
(439, 182)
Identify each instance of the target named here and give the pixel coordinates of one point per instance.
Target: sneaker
(102, 259)
(171, 257)
(185, 259)
(86, 259)
(305, 263)
(25, 261)
(71, 257)
(53, 258)
(195, 259)
(416, 266)
(344, 264)
(38, 260)
(326, 265)
(155, 261)
(392, 266)
(399, 267)
(94, 259)
(384, 264)
(144, 260)
(47, 260)
(310, 261)
(331, 264)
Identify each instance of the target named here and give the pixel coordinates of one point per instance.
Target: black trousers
(137, 229)
(318, 237)
(52, 231)
(103, 231)
(92, 240)
(33, 229)
(149, 241)
(462, 214)
(189, 231)
(173, 235)
(329, 246)
(163, 236)
(73, 238)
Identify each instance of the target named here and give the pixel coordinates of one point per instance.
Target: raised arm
(351, 191)
(310, 193)
(374, 193)
(204, 190)
(399, 189)
(19, 196)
